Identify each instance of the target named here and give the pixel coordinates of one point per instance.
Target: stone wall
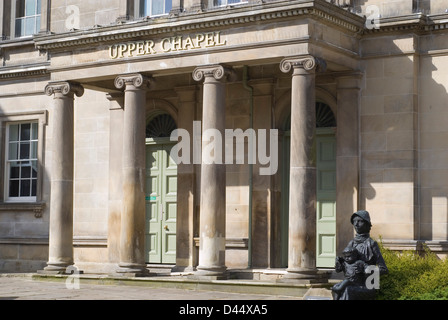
(23, 228)
(433, 147)
(403, 131)
(79, 14)
(91, 181)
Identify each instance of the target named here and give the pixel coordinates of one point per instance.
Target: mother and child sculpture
(361, 256)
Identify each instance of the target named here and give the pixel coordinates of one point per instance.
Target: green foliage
(413, 276)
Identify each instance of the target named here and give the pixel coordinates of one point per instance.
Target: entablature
(269, 12)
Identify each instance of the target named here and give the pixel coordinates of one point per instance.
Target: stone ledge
(89, 241)
(24, 241)
(416, 245)
(231, 243)
(36, 207)
(231, 286)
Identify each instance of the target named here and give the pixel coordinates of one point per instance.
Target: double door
(161, 206)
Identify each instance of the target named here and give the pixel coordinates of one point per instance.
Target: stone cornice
(417, 23)
(317, 9)
(7, 73)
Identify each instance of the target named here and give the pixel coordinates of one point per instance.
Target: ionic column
(61, 205)
(132, 235)
(212, 232)
(302, 198)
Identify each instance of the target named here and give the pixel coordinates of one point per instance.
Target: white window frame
(225, 3)
(5, 122)
(141, 13)
(37, 16)
(23, 163)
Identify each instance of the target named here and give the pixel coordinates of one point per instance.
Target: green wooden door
(285, 198)
(326, 198)
(161, 210)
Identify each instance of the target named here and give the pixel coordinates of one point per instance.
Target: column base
(185, 269)
(132, 270)
(205, 273)
(304, 276)
(64, 269)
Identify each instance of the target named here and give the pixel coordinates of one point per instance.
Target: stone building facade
(345, 103)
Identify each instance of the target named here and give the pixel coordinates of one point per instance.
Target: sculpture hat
(363, 214)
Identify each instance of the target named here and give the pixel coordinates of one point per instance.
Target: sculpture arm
(339, 265)
(379, 259)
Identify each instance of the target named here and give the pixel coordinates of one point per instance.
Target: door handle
(166, 228)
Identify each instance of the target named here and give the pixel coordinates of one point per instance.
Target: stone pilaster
(302, 199)
(186, 251)
(116, 111)
(212, 233)
(62, 168)
(132, 236)
(347, 156)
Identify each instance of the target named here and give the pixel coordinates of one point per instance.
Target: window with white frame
(152, 8)
(222, 3)
(27, 17)
(21, 165)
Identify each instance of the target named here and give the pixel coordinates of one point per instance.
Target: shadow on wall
(403, 144)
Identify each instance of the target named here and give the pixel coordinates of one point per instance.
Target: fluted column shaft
(61, 206)
(212, 243)
(132, 235)
(302, 198)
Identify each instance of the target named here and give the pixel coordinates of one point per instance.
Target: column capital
(216, 71)
(137, 80)
(307, 63)
(66, 88)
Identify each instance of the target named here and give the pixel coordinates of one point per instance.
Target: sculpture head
(350, 255)
(361, 221)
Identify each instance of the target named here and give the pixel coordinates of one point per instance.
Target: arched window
(324, 117)
(160, 127)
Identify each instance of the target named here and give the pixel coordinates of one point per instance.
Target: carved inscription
(169, 44)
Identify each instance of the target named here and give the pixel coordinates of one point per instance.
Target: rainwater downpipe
(251, 166)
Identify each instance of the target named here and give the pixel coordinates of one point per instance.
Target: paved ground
(25, 288)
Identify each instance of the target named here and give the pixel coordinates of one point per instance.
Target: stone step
(304, 291)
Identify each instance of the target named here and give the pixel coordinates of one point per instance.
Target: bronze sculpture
(361, 253)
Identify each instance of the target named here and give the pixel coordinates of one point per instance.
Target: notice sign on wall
(170, 44)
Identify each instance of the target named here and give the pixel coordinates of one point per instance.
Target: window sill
(16, 42)
(36, 207)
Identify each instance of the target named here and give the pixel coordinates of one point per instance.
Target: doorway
(325, 188)
(161, 194)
